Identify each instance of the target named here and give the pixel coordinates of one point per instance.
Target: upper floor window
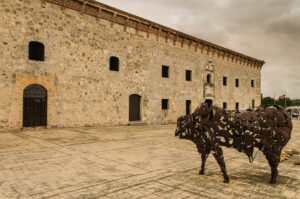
(237, 83)
(188, 107)
(252, 83)
(224, 105)
(208, 78)
(36, 51)
(253, 103)
(114, 63)
(165, 104)
(165, 71)
(188, 75)
(224, 81)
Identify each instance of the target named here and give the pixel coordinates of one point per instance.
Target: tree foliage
(267, 101)
(281, 102)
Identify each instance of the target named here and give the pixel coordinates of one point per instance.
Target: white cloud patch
(265, 29)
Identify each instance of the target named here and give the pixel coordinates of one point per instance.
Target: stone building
(67, 63)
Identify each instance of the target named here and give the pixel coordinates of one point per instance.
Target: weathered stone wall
(82, 91)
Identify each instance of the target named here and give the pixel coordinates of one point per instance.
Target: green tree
(267, 101)
(281, 102)
(296, 102)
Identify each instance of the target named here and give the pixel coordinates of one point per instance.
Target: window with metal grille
(188, 107)
(165, 71)
(164, 104)
(224, 81)
(36, 51)
(224, 105)
(237, 106)
(252, 83)
(236, 82)
(188, 75)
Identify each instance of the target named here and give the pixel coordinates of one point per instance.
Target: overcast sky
(268, 30)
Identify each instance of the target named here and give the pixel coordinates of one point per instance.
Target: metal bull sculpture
(267, 128)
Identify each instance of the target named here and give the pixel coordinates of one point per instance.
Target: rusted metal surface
(267, 128)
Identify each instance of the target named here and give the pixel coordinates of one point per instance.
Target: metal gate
(34, 106)
(134, 107)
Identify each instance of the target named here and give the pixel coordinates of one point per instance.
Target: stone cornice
(102, 11)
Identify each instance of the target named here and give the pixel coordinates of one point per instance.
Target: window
(165, 71)
(237, 106)
(164, 104)
(252, 83)
(188, 75)
(114, 63)
(188, 107)
(236, 82)
(253, 103)
(224, 81)
(36, 51)
(224, 105)
(208, 78)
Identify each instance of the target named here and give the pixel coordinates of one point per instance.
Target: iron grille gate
(34, 106)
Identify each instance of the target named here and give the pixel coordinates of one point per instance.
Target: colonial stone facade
(79, 39)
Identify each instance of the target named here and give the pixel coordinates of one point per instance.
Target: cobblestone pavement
(132, 162)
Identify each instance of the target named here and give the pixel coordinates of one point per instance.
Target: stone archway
(34, 106)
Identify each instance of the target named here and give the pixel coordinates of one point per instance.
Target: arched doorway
(34, 106)
(134, 107)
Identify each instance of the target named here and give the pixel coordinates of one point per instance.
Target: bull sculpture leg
(204, 156)
(273, 161)
(218, 154)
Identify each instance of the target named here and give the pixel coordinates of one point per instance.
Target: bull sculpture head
(182, 129)
(186, 124)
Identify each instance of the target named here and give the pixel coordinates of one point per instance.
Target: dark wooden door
(134, 107)
(34, 106)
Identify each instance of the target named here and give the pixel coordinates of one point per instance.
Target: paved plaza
(132, 162)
